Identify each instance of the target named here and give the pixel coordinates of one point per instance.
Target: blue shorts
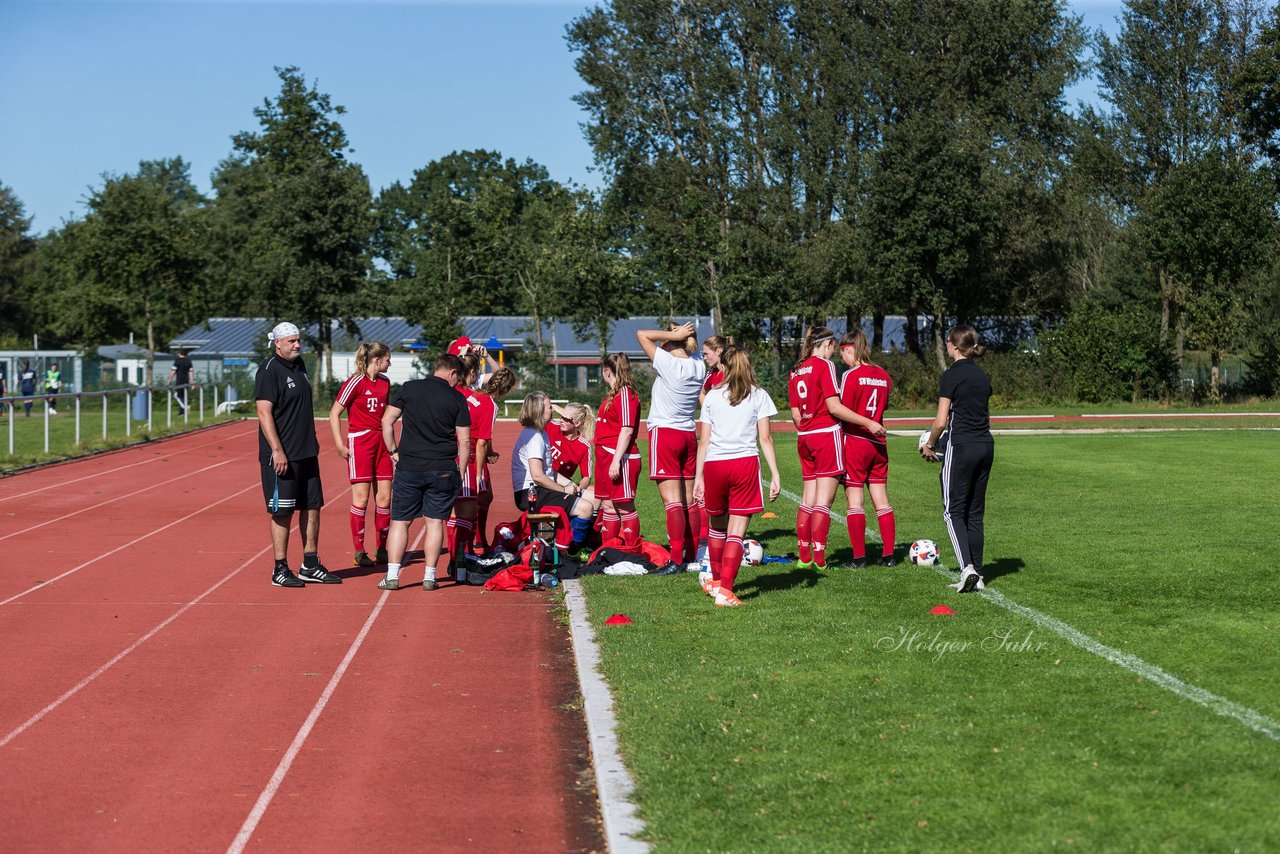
(424, 493)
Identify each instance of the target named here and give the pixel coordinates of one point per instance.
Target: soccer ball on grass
(924, 553)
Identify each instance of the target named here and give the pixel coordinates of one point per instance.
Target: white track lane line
(277, 778)
(97, 558)
(1254, 720)
(119, 498)
(63, 484)
(83, 683)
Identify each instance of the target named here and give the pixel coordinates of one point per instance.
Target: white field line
(148, 488)
(1184, 415)
(134, 541)
(83, 683)
(273, 785)
(277, 778)
(1255, 720)
(62, 484)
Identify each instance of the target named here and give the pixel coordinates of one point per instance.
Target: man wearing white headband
(289, 453)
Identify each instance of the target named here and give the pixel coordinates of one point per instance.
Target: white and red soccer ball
(924, 553)
(752, 552)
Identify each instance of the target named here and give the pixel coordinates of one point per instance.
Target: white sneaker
(969, 580)
(693, 567)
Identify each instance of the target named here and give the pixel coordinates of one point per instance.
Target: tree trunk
(877, 331)
(326, 347)
(911, 334)
(939, 319)
(1215, 375)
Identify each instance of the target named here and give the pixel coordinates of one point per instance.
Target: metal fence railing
(181, 403)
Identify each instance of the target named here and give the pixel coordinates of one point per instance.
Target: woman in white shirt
(735, 416)
(533, 476)
(673, 441)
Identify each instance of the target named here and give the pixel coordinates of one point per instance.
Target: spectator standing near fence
(434, 445)
(52, 383)
(180, 378)
(288, 452)
(27, 383)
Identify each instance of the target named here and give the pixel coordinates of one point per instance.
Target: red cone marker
(618, 620)
(941, 610)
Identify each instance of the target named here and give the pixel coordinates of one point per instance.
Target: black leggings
(965, 470)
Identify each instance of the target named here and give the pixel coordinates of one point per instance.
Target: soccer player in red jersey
(616, 452)
(461, 529)
(570, 440)
(673, 440)
(864, 389)
(496, 386)
(711, 350)
(364, 397)
(734, 418)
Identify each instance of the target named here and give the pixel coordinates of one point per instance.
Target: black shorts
(547, 498)
(424, 493)
(297, 489)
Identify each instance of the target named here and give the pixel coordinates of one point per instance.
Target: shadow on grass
(770, 581)
(1002, 566)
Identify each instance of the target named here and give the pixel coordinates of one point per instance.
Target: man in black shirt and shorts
(180, 378)
(289, 453)
(434, 447)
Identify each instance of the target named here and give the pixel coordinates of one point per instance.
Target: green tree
(17, 260)
(1211, 225)
(1257, 81)
(133, 264)
(308, 209)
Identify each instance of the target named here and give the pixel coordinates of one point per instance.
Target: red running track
(160, 694)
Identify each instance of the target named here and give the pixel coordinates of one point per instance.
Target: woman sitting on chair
(533, 475)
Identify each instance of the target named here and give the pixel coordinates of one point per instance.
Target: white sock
(393, 572)
(430, 575)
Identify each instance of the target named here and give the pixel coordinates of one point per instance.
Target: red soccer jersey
(621, 410)
(568, 455)
(713, 379)
(812, 382)
(364, 399)
(865, 389)
(483, 415)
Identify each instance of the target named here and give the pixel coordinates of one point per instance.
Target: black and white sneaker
(970, 581)
(888, 560)
(318, 575)
(282, 577)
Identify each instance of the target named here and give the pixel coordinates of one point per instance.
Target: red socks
(729, 562)
(695, 524)
(856, 521)
(382, 524)
(819, 526)
(715, 552)
(803, 536)
(357, 527)
(610, 524)
(677, 523)
(630, 524)
(888, 529)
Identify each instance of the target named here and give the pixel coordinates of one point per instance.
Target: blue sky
(94, 86)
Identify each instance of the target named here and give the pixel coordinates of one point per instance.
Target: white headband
(283, 330)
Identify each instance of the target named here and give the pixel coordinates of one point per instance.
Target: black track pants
(965, 470)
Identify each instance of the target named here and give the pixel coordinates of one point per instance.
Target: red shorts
(821, 454)
(369, 459)
(621, 490)
(732, 486)
(473, 486)
(865, 461)
(673, 454)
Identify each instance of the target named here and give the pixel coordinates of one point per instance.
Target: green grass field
(835, 713)
(29, 431)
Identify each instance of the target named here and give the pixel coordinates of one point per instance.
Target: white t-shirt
(733, 428)
(530, 444)
(675, 391)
